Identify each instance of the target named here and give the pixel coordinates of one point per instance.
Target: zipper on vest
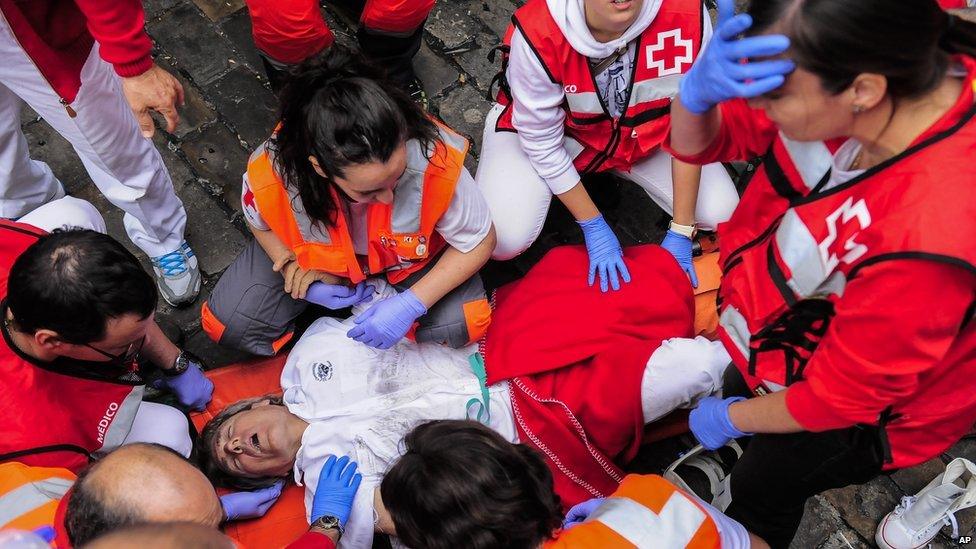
(64, 103)
(606, 153)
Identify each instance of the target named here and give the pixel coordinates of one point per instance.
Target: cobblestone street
(230, 109)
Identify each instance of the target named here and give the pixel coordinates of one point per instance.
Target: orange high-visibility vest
(401, 236)
(29, 496)
(645, 511)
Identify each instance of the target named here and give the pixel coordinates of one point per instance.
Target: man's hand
(155, 90)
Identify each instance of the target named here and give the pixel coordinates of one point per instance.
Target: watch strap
(684, 230)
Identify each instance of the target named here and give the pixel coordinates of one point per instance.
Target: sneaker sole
(189, 299)
(882, 543)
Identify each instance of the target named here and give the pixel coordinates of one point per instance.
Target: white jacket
(537, 111)
(361, 401)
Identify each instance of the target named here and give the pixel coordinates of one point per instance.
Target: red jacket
(58, 414)
(856, 299)
(664, 52)
(58, 36)
(575, 358)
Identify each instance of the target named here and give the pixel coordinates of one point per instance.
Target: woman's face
(257, 442)
(804, 111)
(610, 18)
(373, 181)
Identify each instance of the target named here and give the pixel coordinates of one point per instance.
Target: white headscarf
(570, 16)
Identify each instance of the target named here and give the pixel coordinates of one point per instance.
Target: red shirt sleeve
(312, 540)
(118, 27)
(745, 133)
(895, 321)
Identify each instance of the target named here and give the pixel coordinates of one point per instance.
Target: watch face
(326, 522)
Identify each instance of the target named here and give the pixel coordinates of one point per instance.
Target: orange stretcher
(285, 521)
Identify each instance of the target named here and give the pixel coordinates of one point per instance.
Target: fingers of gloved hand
(761, 69)
(357, 479)
(692, 275)
(726, 10)
(613, 275)
(367, 314)
(604, 285)
(757, 46)
(328, 470)
(592, 276)
(732, 27)
(624, 271)
(340, 465)
(759, 87)
(348, 472)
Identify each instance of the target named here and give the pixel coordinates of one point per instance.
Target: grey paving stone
(465, 109)
(913, 479)
(245, 103)
(215, 241)
(28, 116)
(237, 27)
(822, 526)
(154, 8)
(190, 38)
(476, 63)
(217, 156)
(495, 14)
(217, 9)
(451, 25)
(965, 448)
(436, 73)
(195, 113)
(862, 507)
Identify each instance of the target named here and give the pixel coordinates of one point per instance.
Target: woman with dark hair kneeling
(460, 484)
(849, 273)
(355, 182)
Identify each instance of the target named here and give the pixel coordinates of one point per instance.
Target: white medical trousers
(519, 199)
(125, 166)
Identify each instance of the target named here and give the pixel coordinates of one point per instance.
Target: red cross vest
(55, 418)
(401, 236)
(664, 52)
(792, 246)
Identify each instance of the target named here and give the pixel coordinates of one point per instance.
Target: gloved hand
(719, 74)
(338, 296)
(387, 321)
(246, 505)
(606, 255)
(680, 247)
(336, 489)
(580, 511)
(191, 388)
(710, 422)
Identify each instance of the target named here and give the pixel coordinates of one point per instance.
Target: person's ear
(315, 166)
(868, 91)
(49, 340)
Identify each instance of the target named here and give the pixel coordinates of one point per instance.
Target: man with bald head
(139, 483)
(179, 535)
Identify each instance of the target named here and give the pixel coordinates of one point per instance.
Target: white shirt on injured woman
(361, 401)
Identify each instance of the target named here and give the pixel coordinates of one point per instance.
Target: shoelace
(172, 264)
(948, 520)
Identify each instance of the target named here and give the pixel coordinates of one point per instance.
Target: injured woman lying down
(565, 369)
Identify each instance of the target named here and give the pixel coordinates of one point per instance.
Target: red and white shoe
(918, 519)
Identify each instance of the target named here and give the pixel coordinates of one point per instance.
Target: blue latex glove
(338, 296)
(336, 489)
(719, 74)
(247, 505)
(606, 255)
(680, 247)
(580, 511)
(191, 388)
(710, 422)
(387, 321)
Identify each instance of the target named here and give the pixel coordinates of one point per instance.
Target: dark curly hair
(340, 109)
(206, 454)
(460, 484)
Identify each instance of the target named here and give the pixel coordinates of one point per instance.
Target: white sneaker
(177, 275)
(714, 466)
(919, 518)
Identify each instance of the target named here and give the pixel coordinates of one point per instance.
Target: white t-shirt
(840, 171)
(464, 225)
(360, 401)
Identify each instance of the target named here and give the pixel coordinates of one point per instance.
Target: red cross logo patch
(843, 226)
(671, 53)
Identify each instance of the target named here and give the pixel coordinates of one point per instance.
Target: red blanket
(575, 358)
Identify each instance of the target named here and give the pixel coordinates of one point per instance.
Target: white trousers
(519, 199)
(161, 424)
(125, 166)
(681, 372)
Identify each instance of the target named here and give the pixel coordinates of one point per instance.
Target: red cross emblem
(249, 198)
(843, 226)
(670, 54)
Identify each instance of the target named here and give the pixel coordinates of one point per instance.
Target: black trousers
(778, 473)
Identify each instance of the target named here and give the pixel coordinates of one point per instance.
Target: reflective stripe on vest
(31, 496)
(121, 423)
(645, 91)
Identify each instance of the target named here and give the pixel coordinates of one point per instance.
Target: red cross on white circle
(670, 54)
